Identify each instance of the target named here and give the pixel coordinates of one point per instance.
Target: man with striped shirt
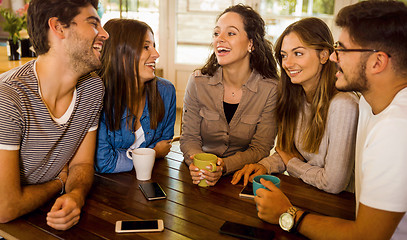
(49, 113)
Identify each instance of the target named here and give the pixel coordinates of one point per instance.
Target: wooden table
(6, 64)
(189, 212)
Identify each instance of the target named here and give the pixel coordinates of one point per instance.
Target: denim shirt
(112, 145)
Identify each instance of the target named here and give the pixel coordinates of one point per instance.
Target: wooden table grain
(189, 212)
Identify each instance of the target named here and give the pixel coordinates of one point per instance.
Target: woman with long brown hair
(229, 104)
(316, 123)
(139, 108)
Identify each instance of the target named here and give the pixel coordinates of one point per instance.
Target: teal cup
(257, 184)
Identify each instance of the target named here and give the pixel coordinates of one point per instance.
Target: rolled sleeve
(273, 163)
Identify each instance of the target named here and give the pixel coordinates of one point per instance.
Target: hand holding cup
(257, 184)
(206, 163)
(270, 202)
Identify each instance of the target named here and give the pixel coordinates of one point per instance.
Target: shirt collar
(251, 84)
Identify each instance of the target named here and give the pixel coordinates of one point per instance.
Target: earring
(250, 50)
(216, 64)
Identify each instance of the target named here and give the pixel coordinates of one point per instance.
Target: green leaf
(13, 24)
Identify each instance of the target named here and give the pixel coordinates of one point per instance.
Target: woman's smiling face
(301, 63)
(230, 40)
(147, 58)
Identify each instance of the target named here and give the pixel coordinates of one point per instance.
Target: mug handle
(213, 167)
(128, 153)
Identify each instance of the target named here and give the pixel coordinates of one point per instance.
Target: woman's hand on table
(246, 172)
(162, 148)
(210, 177)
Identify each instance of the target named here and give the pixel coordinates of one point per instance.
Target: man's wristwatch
(287, 219)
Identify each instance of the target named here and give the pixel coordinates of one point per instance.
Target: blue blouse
(112, 145)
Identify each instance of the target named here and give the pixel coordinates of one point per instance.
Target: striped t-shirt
(26, 125)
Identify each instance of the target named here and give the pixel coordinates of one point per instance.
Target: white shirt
(381, 159)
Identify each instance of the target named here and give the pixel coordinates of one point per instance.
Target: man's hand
(67, 208)
(65, 212)
(271, 203)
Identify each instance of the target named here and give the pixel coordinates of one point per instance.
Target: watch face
(286, 221)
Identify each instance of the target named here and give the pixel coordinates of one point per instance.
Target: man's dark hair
(40, 11)
(380, 25)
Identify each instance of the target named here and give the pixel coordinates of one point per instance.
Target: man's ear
(56, 27)
(323, 56)
(379, 62)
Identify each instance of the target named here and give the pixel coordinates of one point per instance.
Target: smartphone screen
(152, 191)
(140, 226)
(247, 192)
(130, 225)
(245, 232)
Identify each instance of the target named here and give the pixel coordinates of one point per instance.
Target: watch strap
(297, 224)
(292, 211)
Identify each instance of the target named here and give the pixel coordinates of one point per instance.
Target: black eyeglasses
(338, 49)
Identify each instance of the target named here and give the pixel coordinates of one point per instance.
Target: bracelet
(62, 185)
(297, 224)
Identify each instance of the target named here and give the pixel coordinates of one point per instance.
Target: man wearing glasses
(49, 112)
(371, 57)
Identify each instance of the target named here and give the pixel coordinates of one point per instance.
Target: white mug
(143, 160)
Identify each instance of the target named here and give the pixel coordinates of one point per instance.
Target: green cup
(257, 184)
(201, 161)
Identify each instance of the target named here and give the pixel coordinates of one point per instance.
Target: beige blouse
(250, 134)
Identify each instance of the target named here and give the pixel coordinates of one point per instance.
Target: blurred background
(183, 28)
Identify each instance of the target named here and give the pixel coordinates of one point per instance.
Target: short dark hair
(378, 25)
(261, 59)
(40, 11)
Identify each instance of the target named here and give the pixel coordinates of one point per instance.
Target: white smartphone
(130, 226)
(152, 191)
(247, 192)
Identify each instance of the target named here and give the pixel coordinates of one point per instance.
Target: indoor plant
(26, 47)
(13, 24)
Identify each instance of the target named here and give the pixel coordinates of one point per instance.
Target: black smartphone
(130, 226)
(247, 192)
(152, 191)
(245, 232)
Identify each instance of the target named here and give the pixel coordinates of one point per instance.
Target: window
(278, 14)
(196, 19)
(195, 22)
(143, 10)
